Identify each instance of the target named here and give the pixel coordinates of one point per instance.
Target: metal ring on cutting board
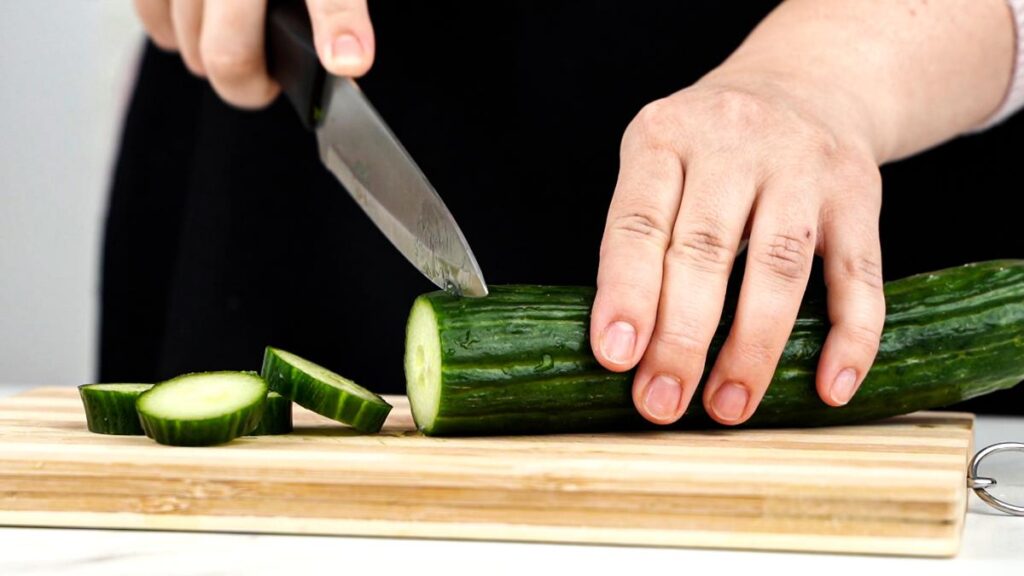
(980, 484)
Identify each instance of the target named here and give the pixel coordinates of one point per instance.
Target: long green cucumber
(519, 361)
(203, 409)
(110, 408)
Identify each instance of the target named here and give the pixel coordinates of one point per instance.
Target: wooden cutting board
(896, 487)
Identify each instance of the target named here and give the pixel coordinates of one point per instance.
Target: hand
(223, 40)
(732, 157)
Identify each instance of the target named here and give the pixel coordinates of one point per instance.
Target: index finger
(232, 48)
(637, 232)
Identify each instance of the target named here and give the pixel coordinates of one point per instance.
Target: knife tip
(474, 288)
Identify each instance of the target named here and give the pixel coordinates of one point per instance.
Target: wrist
(841, 111)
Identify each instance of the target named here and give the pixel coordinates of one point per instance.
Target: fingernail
(844, 386)
(618, 342)
(346, 50)
(730, 401)
(662, 398)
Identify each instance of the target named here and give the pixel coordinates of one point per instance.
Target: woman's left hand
(729, 158)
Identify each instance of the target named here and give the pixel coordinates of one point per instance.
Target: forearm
(904, 74)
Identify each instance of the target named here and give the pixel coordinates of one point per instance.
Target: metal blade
(360, 150)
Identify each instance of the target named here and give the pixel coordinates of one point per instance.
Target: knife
(364, 155)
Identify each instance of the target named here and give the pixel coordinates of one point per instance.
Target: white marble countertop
(993, 544)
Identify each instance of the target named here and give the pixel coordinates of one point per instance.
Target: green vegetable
(110, 408)
(203, 409)
(277, 416)
(519, 360)
(324, 392)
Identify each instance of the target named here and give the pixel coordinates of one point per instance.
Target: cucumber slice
(277, 416)
(324, 392)
(203, 409)
(110, 408)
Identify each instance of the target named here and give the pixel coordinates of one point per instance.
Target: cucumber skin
(110, 412)
(293, 383)
(277, 417)
(519, 361)
(205, 432)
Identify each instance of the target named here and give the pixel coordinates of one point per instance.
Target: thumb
(343, 35)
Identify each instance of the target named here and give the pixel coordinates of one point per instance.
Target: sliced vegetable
(203, 409)
(324, 392)
(519, 361)
(277, 416)
(110, 408)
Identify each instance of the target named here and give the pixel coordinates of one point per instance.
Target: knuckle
(702, 248)
(653, 126)
(826, 147)
(864, 335)
(859, 169)
(788, 256)
(756, 353)
(848, 165)
(681, 338)
(231, 65)
(863, 270)
(740, 109)
(642, 225)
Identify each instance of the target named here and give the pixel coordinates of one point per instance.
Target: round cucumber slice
(203, 409)
(110, 408)
(318, 389)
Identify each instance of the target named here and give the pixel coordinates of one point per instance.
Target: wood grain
(894, 487)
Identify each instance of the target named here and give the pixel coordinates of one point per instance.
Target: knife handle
(292, 60)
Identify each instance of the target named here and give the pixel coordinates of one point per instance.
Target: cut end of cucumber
(423, 364)
(203, 396)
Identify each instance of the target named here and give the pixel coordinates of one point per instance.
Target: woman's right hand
(222, 40)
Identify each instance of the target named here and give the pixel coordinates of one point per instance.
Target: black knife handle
(292, 60)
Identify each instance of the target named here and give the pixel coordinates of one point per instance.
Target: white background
(66, 68)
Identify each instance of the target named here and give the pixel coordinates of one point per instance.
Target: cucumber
(203, 409)
(277, 416)
(519, 361)
(324, 392)
(110, 408)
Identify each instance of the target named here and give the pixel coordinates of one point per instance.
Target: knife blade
(360, 150)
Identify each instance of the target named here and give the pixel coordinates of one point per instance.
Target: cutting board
(895, 487)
